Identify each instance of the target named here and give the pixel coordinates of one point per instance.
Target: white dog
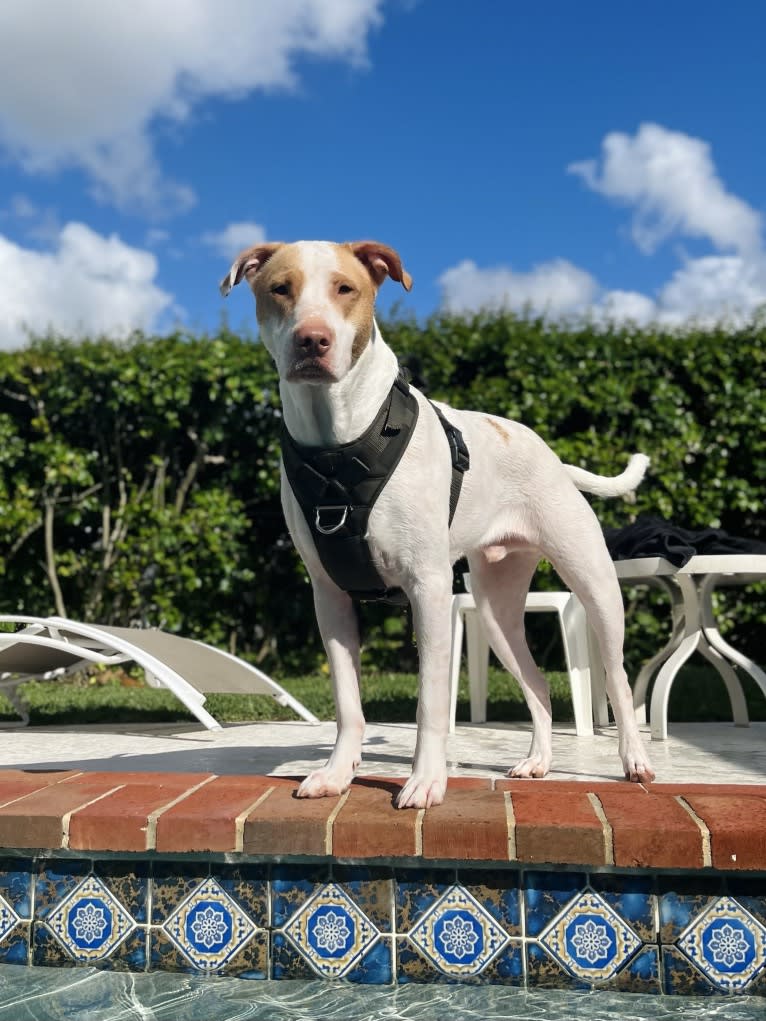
(518, 503)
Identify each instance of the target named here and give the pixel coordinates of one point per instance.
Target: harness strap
(337, 487)
(461, 460)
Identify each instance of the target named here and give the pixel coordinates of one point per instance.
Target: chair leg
(597, 682)
(574, 633)
(454, 666)
(478, 663)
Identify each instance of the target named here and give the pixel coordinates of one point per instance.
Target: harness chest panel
(336, 489)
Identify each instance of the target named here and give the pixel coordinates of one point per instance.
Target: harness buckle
(461, 460)
(330, 529)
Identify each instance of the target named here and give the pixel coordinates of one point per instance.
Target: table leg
(717, 641)
(697, 608)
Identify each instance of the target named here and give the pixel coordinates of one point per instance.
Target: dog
(518, 503)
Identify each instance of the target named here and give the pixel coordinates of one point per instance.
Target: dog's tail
(616, 485)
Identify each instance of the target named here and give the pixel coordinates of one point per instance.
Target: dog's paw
(422, 792)
(637, 767)
(532, 766)
(324, 783)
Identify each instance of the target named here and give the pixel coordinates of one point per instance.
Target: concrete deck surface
(693, 753)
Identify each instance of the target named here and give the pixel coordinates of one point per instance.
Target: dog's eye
(345, 288)
(282, 289)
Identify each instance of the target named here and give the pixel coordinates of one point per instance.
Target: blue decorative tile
(55, 880)
(331, 932)
(14, 949)
(681, 978)
(726, 944)
(292, 886)
(209, 927)
(641, 974)
(90, 923)
(417, 890)
(682, 899)
(544, 971)
(16, 885)
(376, 966)
(371, 889)
(457, 935)
(498, 892)
(633, 898)
(8, 918)
(172, 883)
(590, 939)
(546, 894)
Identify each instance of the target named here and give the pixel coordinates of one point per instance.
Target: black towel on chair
(651, 536)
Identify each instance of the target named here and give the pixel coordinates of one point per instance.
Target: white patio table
(694, 628)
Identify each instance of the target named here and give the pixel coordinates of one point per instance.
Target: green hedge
(139, 480)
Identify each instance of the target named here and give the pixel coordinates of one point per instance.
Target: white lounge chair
(46, 647)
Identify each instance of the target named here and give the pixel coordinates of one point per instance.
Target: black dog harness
(336, 488)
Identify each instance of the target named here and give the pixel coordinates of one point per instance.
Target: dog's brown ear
(381, 262)
(247, 264)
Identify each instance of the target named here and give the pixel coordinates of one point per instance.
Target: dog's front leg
(340, 634)
(430, 599)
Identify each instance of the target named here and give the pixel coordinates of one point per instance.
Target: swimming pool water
(53, 994)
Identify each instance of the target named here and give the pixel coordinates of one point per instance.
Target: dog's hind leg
(500, 589)
(586, 567)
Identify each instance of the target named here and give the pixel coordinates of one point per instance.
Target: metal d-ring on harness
(336, 488)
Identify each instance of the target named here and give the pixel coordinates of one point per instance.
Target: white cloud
(714, 288)
(706, 291)
(232, 239)
(89, 284)
(84, 83)
(555, 288)
(671, 180)
(626, 306)
(672, 183)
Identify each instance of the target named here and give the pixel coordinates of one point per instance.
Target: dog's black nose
(313, 339)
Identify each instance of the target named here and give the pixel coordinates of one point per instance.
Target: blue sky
(592, 158)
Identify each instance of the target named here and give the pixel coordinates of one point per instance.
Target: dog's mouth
(310, 370)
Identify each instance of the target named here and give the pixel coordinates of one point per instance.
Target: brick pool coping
(578, 823)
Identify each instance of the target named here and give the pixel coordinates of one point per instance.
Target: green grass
(114, 697)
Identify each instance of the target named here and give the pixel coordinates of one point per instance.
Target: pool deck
(179, 789)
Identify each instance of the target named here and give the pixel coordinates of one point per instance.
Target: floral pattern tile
(90, 923)
(591, 939)
(457, 935)
(727, 944)
(686, 934)
(331, 932)
(209, 927)
(546, 894)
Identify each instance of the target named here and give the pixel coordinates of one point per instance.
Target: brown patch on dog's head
(499, 429)
(247, 264)
(380, 262)
(370, 262)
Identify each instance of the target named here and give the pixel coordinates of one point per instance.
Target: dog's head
(314, 302)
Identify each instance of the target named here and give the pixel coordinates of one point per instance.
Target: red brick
(37, 819)
(368, 825)
(284, 824)
(754, 790)
(470, 825)
(737, 826)
(575, 786)
(557, 826)
(120, 822)
(16, 783)
(652, 831)
(207, 819)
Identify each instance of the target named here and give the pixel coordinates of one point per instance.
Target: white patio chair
(47, 647)
(574, 634)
